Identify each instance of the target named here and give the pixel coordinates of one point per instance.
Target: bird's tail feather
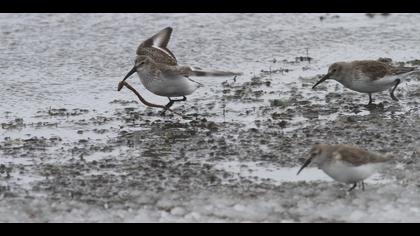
(200, 72)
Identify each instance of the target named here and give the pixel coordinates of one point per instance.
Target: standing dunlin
(345, 163)
(367, 76)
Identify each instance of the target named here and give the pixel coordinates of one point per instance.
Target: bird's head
(140, 63)
(334, 72)
(314, 156)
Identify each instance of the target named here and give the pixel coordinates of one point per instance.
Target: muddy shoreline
(78, 150)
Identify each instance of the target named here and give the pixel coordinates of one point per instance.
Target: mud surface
(74, 149)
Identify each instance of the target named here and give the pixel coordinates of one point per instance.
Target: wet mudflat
(74, 149)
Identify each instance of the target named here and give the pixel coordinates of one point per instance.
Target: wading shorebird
(367, 76)
(345, 163)
(160, 73)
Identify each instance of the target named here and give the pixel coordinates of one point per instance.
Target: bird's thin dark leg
(363, 186)
(370, 99)
(354, 186)
(171, 102)
(393, 89)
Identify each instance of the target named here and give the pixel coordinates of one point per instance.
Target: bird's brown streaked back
(377, 69)
(356, 156)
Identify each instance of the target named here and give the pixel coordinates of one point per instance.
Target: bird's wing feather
(402, 69)
(173, 71)
(157, 55)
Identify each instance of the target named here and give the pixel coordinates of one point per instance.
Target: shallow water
(72, 148)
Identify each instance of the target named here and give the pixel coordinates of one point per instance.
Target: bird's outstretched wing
(188, 71)
(216, 73)
(157, 44)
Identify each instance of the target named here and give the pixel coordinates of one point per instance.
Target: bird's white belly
(168, 87)
(349, 174)
(370, 86)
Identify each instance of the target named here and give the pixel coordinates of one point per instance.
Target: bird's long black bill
(307, 162)
(132, 71)
(321, 80)
(121, 84)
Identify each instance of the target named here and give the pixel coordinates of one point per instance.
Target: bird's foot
(371, 106)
